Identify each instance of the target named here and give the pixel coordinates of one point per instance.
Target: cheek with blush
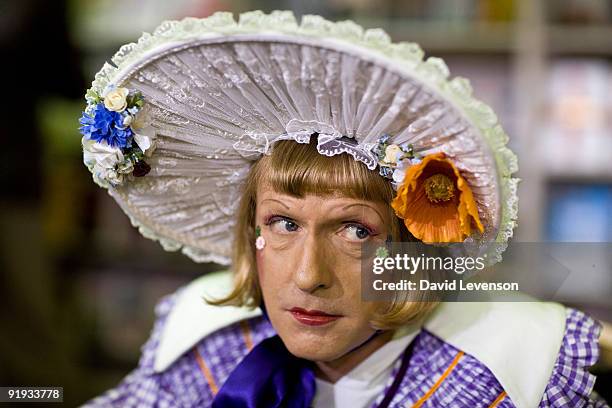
(259, 264)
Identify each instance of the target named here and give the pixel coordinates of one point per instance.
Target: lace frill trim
(432, 71)
(571, 383)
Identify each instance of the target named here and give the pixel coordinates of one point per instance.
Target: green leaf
(382, 252)
(93, 96)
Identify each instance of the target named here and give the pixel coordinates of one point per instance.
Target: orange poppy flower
(435, 201)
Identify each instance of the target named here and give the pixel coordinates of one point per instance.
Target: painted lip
(312, 317)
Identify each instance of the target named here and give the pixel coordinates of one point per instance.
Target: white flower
(400, 169)
(102, 160)
(144, 133)
(127, 120)
(99, 178)
(126, 167)
(392, 154)
(398, 175)
(115, 178)
(104, 176)
(145, 143)
(100, 153)
(115, 99)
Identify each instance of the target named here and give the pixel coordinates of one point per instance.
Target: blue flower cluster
(103, 125)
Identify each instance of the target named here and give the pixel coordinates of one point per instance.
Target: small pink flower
(260, 242)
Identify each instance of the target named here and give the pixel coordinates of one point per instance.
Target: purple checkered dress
(438, 375)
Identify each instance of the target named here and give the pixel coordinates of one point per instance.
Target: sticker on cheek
(260, 242)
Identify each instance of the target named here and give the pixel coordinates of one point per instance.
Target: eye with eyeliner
(272, 219)
(356, 225)
(371, 230)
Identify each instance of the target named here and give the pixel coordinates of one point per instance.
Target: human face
(312, 263)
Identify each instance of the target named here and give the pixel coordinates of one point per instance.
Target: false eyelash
(372, 231)
(268, 220)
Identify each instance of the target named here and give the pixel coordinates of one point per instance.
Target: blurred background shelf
(450, 37)
(580, 40)
(79, 282)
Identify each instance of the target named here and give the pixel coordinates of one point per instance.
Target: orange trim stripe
(246, 333)
(440, 380)
(499, 399)
(206, 371)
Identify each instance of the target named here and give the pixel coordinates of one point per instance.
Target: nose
(314, 272)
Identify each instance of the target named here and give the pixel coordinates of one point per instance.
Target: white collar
(517, 340)
(381, 359)
(363, 384)
(191, 318)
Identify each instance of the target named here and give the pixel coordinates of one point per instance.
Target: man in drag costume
(279, 148)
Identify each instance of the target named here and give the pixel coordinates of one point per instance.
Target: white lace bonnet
(212, 95)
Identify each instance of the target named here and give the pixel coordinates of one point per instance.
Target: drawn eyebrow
(276, 201)
(346, 207)
(364, 205)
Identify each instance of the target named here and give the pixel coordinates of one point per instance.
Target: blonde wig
(299, 169)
